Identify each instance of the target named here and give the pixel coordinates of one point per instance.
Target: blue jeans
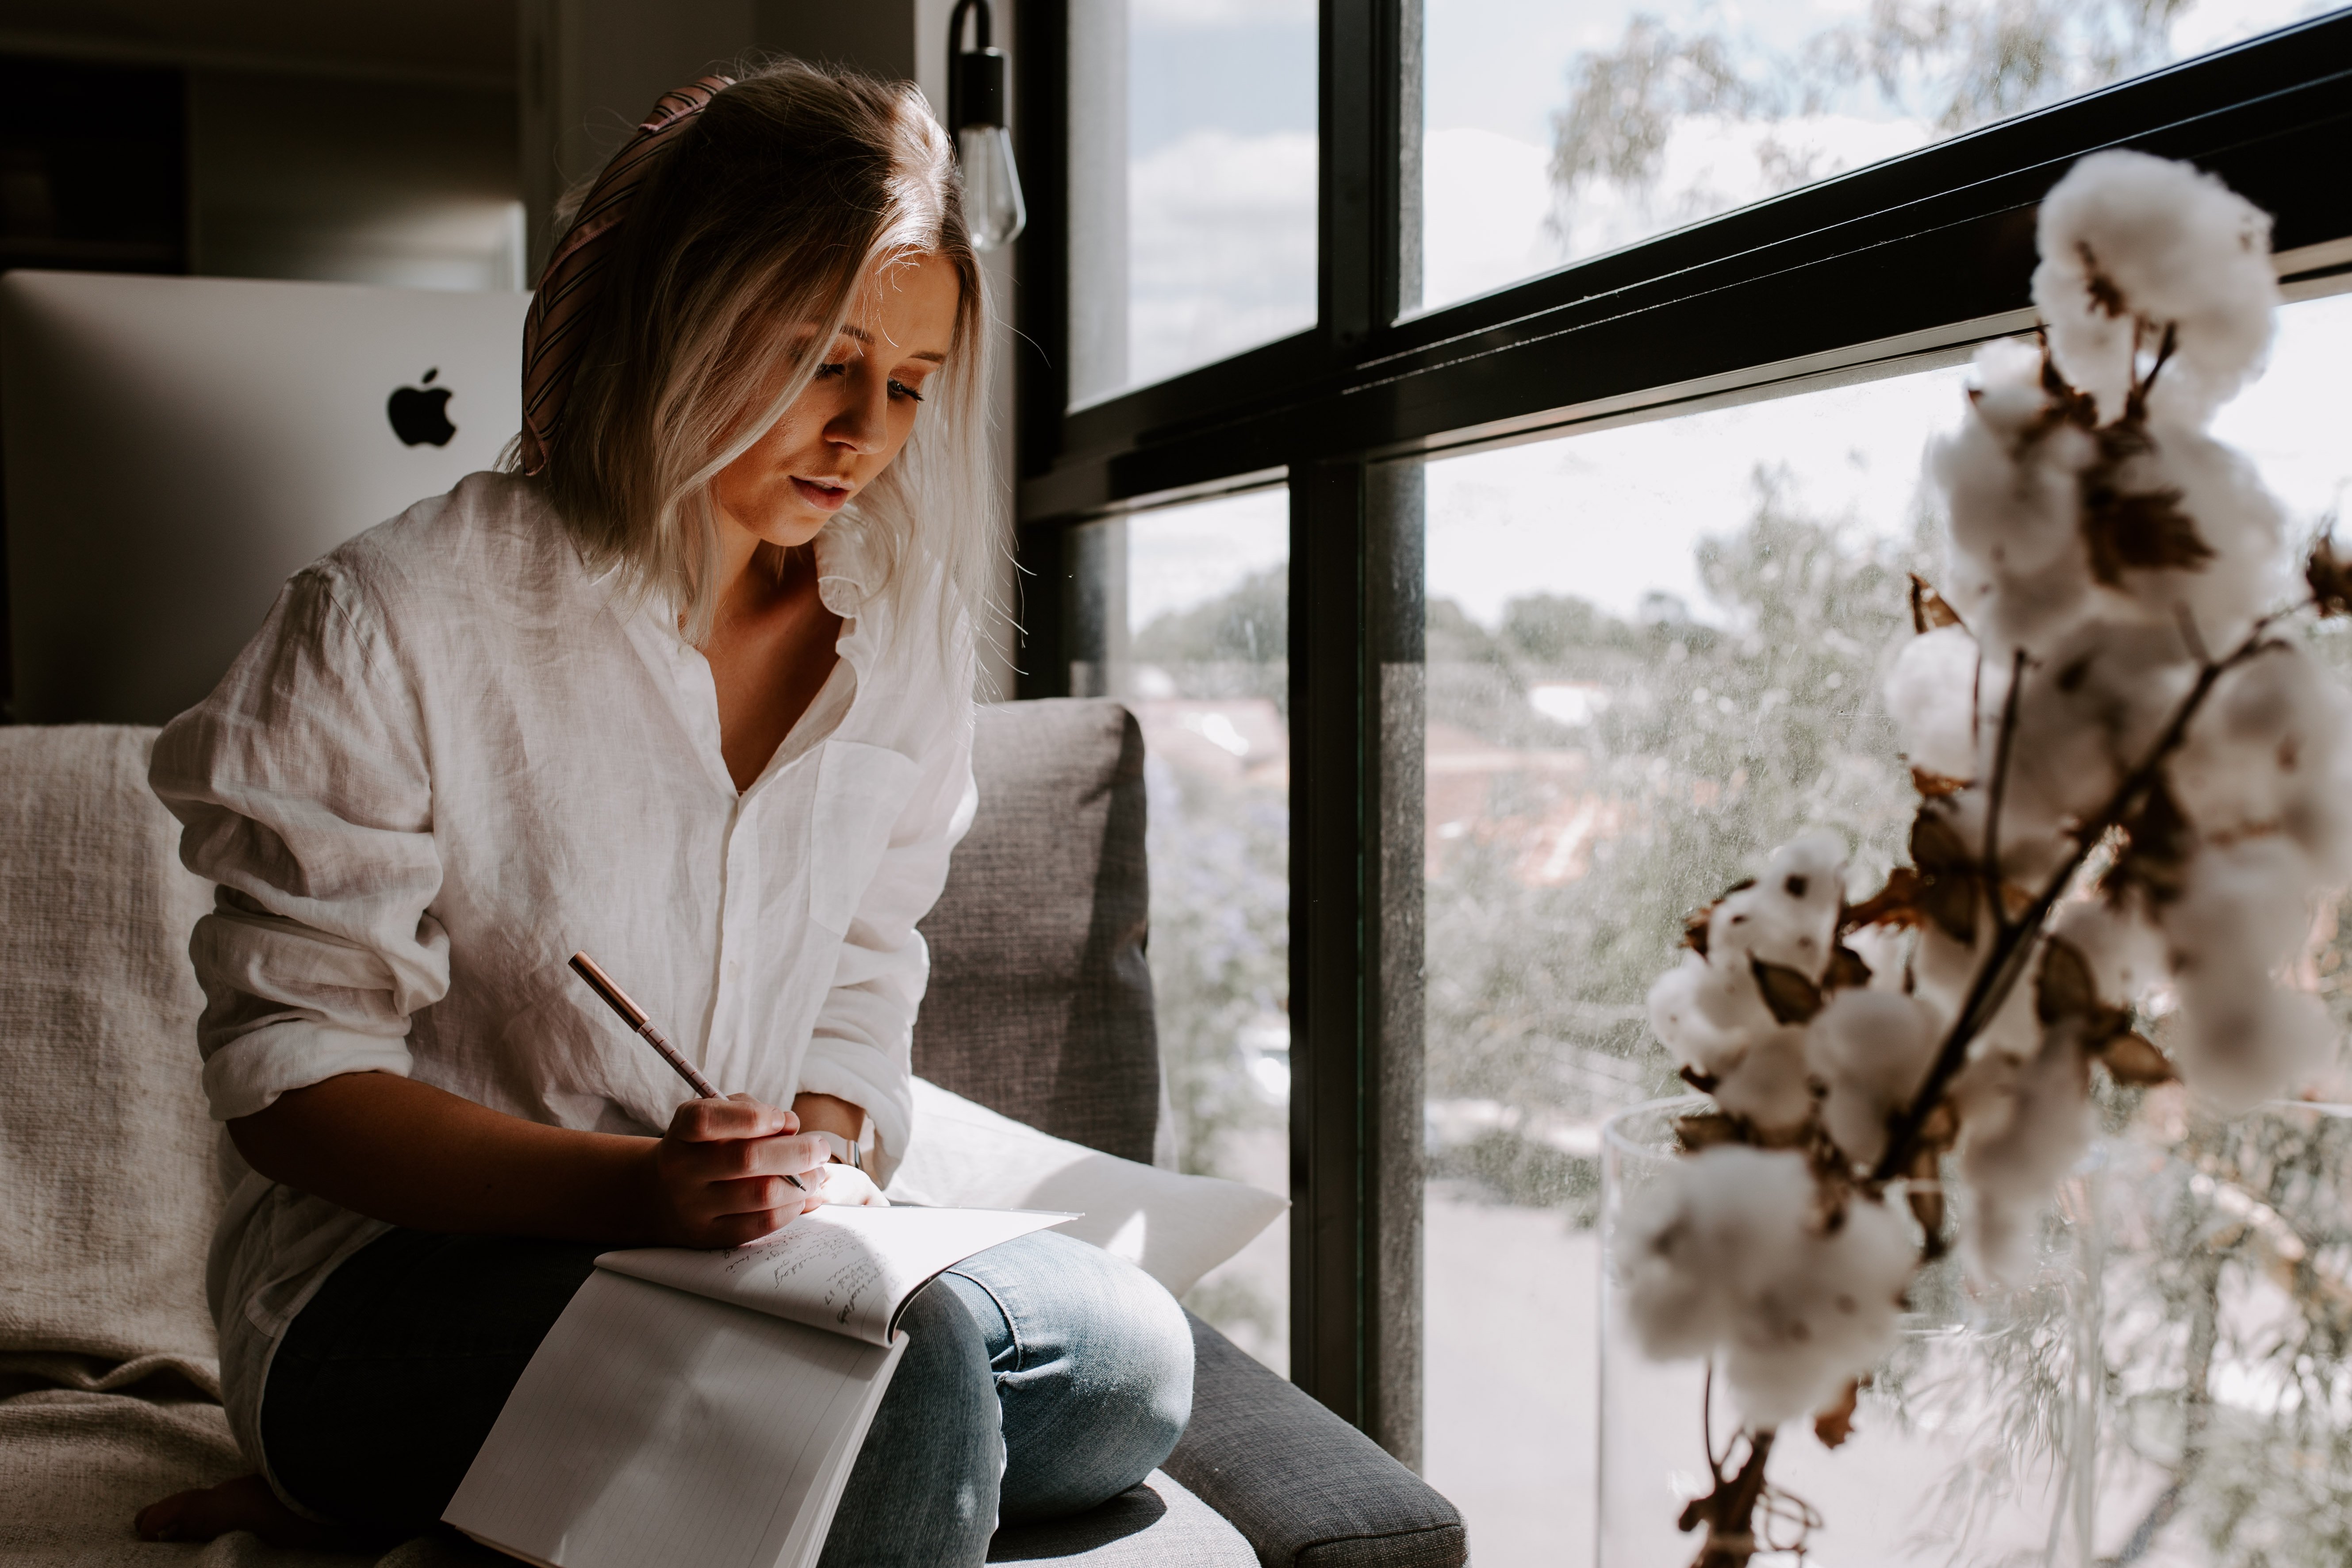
(1042, 1377)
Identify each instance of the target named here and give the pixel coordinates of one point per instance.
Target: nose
(862, 424)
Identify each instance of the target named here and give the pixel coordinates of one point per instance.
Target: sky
(1221, 145)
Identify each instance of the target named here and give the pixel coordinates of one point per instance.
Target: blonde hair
(768, 210)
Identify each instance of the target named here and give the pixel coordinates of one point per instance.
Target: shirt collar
(843, 572)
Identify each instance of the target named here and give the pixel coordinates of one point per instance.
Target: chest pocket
(860, 791)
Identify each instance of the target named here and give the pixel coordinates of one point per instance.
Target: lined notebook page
(840, 1267)
(658, 1429)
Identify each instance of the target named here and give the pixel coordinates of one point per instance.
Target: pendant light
(993, 207)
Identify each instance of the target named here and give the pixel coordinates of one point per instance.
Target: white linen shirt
(452, 758)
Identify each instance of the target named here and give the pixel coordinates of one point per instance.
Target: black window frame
(1925, 251)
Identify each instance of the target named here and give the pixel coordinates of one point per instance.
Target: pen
(635, 1017)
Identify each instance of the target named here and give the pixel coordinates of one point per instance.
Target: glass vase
(1973, 1444)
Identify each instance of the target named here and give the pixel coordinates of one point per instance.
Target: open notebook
(703, 1409)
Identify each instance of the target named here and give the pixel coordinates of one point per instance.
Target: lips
(822, 496)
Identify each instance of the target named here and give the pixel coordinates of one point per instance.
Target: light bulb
(993, 207)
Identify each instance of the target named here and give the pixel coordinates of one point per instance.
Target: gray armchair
(1040, 1007)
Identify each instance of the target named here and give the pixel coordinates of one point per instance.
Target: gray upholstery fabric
(1158, 1524)
(1308, 1489)
(1040, 1003)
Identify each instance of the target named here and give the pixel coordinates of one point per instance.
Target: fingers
(741, 1158)
(737, 1169)
(843, 1184)
(737, 1116)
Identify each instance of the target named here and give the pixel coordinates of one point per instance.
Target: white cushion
(1175, 1227)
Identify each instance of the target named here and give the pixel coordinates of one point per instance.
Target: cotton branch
(2014, 941)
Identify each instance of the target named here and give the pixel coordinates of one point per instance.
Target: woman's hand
(719, 1173)
(839, 1183)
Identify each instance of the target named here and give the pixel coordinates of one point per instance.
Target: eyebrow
(862, 336)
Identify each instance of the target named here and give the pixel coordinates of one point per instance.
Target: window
(1609, 616)
(1192, 184)
(1550, 132)
(1464, 779)
(1195, 642)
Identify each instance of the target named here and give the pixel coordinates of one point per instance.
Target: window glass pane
(1192, 170)
(1653, 653)
(1199, 652)
(1553, 133)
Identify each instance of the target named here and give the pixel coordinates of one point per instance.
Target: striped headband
(567, 288)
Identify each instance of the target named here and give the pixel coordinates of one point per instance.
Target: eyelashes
(897, 388)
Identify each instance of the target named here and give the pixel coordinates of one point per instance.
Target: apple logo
(421, 415)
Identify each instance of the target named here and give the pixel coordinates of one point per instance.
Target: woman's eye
(900, 389)
(841, 369)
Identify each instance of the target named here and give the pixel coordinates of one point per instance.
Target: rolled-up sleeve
(862, 1045)
(303, 791)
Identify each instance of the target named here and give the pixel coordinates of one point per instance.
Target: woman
(691, 690)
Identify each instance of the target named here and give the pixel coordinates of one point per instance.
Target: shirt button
(733, 968)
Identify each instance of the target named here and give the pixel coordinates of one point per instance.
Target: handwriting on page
(819, 1272)
(829, 1270)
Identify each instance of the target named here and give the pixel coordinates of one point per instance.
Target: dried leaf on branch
(1934, 786)
(2330, 578)
(1835, 1424)
(1928, 611)
(2146, 531)
(1792, 998)
(1846, 971)
(2133, 1060)
(2158, 843)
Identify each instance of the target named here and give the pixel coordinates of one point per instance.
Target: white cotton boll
(1885, 952)
(2014, 1031)
(2018, 569)
(1719, 1255)
(2268, 754)
(1941, 971)
(2026, 1122)
(1871, 1050)
(2179, 246)
(2125, 952)
(2007, 390)
(2243, 1040)
(1827, 1317)
(2088, 716)
(2242, 907)
(2035, 838)
(1931, 691)
(1706, 1017)
(2244, 910)
(2237, 519)
(1691, 1240)
(1769, 1086)
(1789, 915)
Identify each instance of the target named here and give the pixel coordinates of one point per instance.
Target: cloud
(1220, 249)
(1484, 200)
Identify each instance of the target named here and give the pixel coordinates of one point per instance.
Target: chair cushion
(1040, 1001)
(1158, 1524)
(1308, 1489)
(107, 1156)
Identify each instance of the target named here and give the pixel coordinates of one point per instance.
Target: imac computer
(174, 448)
